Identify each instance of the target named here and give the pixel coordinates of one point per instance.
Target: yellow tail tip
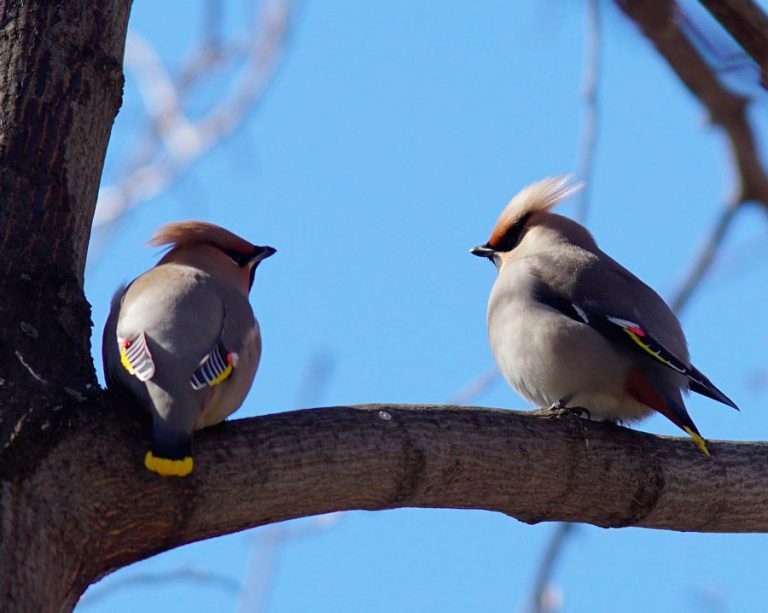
(168, 468)
(700, 442)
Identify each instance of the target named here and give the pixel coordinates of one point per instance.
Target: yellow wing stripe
(647, 348)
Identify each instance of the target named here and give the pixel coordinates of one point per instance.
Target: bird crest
(186, 233)
(539, 196)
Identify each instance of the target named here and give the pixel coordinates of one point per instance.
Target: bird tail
(700, 384)
(170, 454)
(643, 391)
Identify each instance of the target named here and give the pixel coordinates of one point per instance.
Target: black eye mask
(239, 258)
(509, 241)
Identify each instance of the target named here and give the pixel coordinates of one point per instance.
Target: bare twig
(269, 541)
(590, 125)
(585, 166)
(726, 109)
(185, 140)
(719, 49)
(681, 298)
(314, 381)
(260, 574)
(710, 600)
(705, 259)
(748, 24)
(542, 583)
(191, 575)
(212, 20)
(476, 387)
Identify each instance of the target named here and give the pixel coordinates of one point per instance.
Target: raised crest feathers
(539, 196)
(185, 233)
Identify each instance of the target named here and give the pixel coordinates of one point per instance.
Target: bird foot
(560, 405)
(580, 412)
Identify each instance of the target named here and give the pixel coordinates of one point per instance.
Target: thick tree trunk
(61, 85)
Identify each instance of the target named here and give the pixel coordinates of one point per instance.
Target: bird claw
(580, 412)
(561, 405)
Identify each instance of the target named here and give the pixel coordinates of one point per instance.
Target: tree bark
(746, 21)
(87, 506)
(61, 85)
(728, 110)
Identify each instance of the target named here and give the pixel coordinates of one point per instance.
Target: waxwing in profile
(572, 328)
(182, 337)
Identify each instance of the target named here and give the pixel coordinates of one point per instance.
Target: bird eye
(512, 236)
(237, 257)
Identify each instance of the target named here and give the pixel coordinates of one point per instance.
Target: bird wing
(231, 347)
(635, 336)
(215, 367)
(135, 356)
(232, 360)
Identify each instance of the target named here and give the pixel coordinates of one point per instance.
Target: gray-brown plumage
(570, 327)
(182, 337)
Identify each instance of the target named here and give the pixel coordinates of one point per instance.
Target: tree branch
(542, 585)
(748, 24)
(589, 128)
(727, 110)
(282, 466)
(175, 140)
(704, 261)
(534, 466)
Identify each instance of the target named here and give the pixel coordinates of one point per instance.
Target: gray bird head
(527, 208)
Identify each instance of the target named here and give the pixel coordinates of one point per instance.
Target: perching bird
(182, 337)
(572, 328)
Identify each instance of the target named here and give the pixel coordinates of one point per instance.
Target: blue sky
(387, 145)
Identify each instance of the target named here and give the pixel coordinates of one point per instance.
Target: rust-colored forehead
(537, 197)
(504, 226)
(184, 233)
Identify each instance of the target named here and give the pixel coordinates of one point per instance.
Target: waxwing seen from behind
(182, 337)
